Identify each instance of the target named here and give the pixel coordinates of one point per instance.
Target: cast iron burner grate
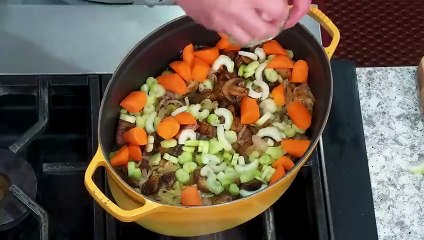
(59, 155)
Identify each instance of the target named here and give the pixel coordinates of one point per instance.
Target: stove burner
(14, 171)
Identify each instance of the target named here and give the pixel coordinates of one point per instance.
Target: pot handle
(117, 212)
(329, 26)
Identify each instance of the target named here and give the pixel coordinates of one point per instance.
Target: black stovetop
(330, 198)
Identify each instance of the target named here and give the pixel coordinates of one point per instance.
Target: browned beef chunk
(206, 129)
(222, 198)
(168, 179)
(252, 185)
(151, 186)
(200, 181)
(123, 126)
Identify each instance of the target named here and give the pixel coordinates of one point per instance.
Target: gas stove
(49, 125)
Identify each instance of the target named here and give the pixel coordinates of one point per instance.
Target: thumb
(299, 9)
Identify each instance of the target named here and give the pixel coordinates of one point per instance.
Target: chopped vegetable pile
(221, 123)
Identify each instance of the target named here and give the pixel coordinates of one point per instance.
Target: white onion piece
(185, 135)
(264, 118)
(268, 106)
(223, 60)
(270, 142)
(250, 55)
(127, 118)
(261, 54)
(252, 93)
(179, 110)
(259, 143)
(265, 88)
(271, 132)
(227, 115)
(259, 71)
(245, 193)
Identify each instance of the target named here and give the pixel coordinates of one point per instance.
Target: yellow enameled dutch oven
(148, 58)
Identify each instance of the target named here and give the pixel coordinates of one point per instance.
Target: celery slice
(234, 189)
(215, 146)
(275, 152)
(182, 176)
(189, 149)
(170, 143)
(185, 157)
(189, 166)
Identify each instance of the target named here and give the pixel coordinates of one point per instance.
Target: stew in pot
(220, 124)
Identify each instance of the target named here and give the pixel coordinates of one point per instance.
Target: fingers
(299, 9)
(240, 35)
(256, 27)
(272, 10)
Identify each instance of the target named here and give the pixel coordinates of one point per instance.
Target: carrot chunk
(135, 101)
(278, 94)
(294, 147)
(279, 173)
(136, 136)
(173, 83)
(299, 115)
(200, 70)
(121, 157)
(135, 152)
(300, 72)
(188, 54)
(208, 55)
(249, 110)
(190, 196)
(284, 162)
(280, 61)
(185, 118)
(274, 47)
(168, 128)
(182, 68)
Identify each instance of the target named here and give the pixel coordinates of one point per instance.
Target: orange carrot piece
(135, 152)
(182, 68)
(280, 61)
(200, 70)
(223, 42)
(278, 94)
(299, 115)
(274, 47)
(168, 128)
(185, 118)
(300, 72)
(284, 162)
(173, 83)
(121, 157)
(135, 101)
(188, 54)
(136, 136)
(190, 196)
(294, 147)
(279, 173)
(208, 55)
(231, 48)
(249, 110)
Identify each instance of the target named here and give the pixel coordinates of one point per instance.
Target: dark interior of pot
(152, 55)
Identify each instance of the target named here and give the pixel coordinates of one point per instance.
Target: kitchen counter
(394, 135)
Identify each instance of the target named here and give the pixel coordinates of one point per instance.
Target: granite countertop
(394, 136)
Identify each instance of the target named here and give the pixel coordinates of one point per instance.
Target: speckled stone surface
(394, 135)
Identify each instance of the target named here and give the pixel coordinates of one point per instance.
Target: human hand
(243, 20)
(299, 9)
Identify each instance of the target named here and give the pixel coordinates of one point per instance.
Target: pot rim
(294, 170)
